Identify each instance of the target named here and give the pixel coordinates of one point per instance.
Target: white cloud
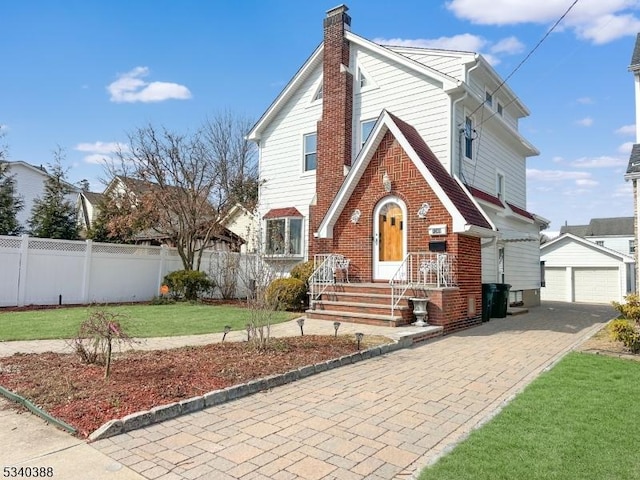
(596, 21)
(100, 152)
(585, 122)
(598, 162)
(586, 182)
(465, 42)
(557, 159)
(101, 147)
(556, 175)
(625, 148)
(509, 46)
(585, 100)
(130, 88)
(627, 130)
(623, 190)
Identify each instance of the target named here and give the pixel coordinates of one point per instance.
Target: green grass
(140, 320)
(578, 421)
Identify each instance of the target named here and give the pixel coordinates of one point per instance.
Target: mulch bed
(78, 393)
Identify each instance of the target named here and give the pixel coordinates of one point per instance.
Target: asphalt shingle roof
(599, 227)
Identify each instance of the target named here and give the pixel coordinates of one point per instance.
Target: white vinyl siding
(444, 62)
(591, 275)
(617, 243)
(413, 98)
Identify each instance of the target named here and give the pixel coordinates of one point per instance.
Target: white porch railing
(425, 269)
(325, 268)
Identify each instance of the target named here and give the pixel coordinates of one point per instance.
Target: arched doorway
(389, 237)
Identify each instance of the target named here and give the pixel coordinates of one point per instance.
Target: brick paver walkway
(382, 418)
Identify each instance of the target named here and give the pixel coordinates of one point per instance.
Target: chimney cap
(342, 8)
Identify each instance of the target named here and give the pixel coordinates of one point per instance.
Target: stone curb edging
(14, 397)
(161, 413)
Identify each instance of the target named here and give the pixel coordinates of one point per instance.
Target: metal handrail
(323, 275)
(423, 269)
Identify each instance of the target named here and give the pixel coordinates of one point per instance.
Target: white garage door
(596, 285)
(555, 289)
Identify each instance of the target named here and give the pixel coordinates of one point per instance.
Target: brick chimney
(335, 127)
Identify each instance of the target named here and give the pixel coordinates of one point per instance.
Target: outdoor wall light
(336, 326)
(386, 182)
(301, 324)
(355, 216)
(359, 338)
(423, 210)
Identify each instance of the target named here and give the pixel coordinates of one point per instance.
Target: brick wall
(335, 127)
(449, 307)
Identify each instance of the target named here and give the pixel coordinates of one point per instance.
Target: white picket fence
(37, 271)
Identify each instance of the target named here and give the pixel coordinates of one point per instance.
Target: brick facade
(449, 307)
(334, 129)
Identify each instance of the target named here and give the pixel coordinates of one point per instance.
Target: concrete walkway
(381, 418)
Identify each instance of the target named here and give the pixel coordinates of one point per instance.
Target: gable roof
(466, 216)
(635, 57)
(602, 227)
(569, 237)
(40, 171)
(633, 169)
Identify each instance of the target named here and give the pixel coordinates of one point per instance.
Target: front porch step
(355, 297)
(356, 307)
(351, 317)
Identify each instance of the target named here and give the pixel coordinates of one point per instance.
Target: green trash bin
(488, 292)
(500, 300)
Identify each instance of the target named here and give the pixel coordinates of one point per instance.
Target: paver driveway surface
(382, 418)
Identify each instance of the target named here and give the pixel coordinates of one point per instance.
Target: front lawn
(578, 421)
(140, 321)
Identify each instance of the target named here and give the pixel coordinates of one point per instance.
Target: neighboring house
(30, 181)
(88, 206)
(613, 233)
(577, 269)
(633, 169)
(377, 156)
(223, 240)
(244, 224)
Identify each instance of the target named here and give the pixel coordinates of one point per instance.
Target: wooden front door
(390, 237)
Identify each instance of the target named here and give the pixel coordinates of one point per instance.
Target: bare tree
(234, 159)
(184, 183)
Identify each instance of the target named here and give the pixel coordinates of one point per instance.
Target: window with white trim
(310, 147)
(632, 246)
(284, 236)
(318, 94)
(362, 78)
(468, 137)
(600, 243)
(499, 108)
(365, 130)
(500, 188)
(488, 99)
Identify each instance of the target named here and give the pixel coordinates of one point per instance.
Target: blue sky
(81, 74)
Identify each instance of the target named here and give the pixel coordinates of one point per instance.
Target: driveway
(383, 418)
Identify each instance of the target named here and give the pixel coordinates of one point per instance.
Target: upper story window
(365, 130)
(310, 147)
(318, 95)
(362, 79)
(468, 137)
(499, 108)
(284, 236)
(632, 246)
(488, 99)
(600, 243)
(500, 188)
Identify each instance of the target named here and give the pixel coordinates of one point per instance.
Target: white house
(30, 181)
(244, 224)
(616, 233)
(579, 270)
(352, 140)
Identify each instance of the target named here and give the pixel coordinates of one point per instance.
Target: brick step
(370, 289)
(356, 307)
(349, 317)
(355, 297)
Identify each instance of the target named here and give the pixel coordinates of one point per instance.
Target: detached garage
(578, 270)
